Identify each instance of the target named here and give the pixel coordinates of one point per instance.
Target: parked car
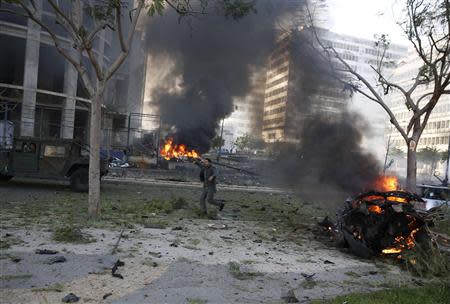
(434, 196)
(48, 159)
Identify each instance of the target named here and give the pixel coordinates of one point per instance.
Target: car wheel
(5, 178)
(79, 180)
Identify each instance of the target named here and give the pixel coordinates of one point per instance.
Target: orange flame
(386, 183)
(402, 243)
(375, 209)
(171, 150)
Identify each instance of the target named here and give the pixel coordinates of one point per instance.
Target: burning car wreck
(377, 223)
(382, 223)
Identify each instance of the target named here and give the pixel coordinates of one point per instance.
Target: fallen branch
(113, 251)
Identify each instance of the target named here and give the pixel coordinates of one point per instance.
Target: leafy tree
(217, 142)
(429, 156)
(113, 15)
(426, 24)
(250, 142)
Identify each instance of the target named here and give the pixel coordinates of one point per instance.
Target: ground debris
(56, 259)
(308, 276)
(106, 295)
(114, 269)
(217, 227)
(70, 298)
(45, 251)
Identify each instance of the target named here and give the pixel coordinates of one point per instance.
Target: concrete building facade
(44, 93)
(437, 132)
(281, 121)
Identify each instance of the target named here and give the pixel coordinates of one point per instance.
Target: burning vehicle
(384, 222)
(170, 151)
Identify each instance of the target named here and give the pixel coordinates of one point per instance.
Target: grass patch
(58, 287)
(7, 241)
(154, 223)
(352, 274)
(70, 234)
(308, 284)
(179, 203)
(443, 226)
(427, 262)
(235, 270)
(16, 277)
(438, 293)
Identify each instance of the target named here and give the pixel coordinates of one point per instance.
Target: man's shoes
(221, 206)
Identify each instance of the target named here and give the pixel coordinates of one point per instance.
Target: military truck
(56, 159)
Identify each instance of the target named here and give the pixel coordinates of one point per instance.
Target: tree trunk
(411, 168)
(94, 154)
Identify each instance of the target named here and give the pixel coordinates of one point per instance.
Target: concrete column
(70, 83)
(68, 111)
(31, 74)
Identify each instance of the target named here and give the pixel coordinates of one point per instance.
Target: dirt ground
(259, 249)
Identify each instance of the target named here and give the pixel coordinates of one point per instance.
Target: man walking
(208, 177)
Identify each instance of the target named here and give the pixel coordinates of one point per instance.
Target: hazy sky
(365, 18)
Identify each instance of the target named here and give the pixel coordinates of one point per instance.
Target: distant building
(246, 115)
(281, 120)
(437, 132)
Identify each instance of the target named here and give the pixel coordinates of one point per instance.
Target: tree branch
(123, 46)
(123, 55)
(81, 70)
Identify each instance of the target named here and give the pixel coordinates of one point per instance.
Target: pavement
(185, 264)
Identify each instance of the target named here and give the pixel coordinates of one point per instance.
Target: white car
(434, 196)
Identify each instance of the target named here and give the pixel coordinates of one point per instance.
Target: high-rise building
(281, 119)
(246, 116)
(437, 131)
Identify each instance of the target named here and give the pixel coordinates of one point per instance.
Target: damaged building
(42, 93)
(281, 117)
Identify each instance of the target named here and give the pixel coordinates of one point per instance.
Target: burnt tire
(79, 180)
(5, 178)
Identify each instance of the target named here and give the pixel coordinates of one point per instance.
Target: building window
(12, 59)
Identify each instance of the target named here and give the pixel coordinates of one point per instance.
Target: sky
(365, 18)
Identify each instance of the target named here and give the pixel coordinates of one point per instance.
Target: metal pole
(5, 118)
(445, 181)
(387, 154)
(221, 142)
(158, 142)
(128, 134)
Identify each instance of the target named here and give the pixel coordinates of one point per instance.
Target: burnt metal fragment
(114, 269)
(70, 298)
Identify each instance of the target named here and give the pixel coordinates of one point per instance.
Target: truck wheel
(5, 178)
(79, 180)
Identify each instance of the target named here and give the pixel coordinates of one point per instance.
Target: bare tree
(427, 27)
(112, 15)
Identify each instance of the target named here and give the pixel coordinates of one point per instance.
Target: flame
(171, 150)
(375, 209)
(391, 250)
(402, 243)
(386, 183)
(397, 199)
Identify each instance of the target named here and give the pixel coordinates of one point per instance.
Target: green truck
(56, 159)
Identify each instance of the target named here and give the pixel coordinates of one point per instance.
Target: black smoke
(215, 57)
(328, 153)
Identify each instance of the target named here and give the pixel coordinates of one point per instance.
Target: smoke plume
(329, 152)
(214, 58)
